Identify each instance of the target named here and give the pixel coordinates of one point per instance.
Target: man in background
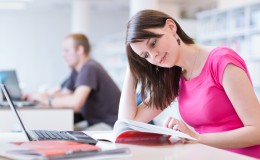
(89, 90)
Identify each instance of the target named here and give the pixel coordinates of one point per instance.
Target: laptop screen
(9, 78)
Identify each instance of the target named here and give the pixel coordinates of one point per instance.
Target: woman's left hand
(179, 125)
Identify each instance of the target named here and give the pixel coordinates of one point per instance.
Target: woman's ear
(171, 25)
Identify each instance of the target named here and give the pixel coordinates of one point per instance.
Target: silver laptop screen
(9, 78)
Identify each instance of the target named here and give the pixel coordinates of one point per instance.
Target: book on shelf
(129, 131)
(56, 149)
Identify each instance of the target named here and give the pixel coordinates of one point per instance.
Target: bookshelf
(237, 28)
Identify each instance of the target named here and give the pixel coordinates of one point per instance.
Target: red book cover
(137, 137)
(57, 147)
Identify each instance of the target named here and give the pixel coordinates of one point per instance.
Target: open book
(58, 149)
(129, 131)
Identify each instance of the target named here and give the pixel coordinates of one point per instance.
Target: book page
(104, 136)
(123, 125)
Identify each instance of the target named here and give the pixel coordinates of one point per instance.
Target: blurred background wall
(32, 31)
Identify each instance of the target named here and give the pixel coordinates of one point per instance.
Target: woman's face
(162, 51)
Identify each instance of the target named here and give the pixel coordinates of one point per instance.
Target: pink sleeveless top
(203, 103)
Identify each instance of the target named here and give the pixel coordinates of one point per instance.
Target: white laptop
(9, 78)
(35, 135)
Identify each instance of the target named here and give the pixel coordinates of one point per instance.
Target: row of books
(229, 22)
(248, 46)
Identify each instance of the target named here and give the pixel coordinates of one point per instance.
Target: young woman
(212, 85)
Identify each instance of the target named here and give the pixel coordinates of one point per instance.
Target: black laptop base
(77, 136)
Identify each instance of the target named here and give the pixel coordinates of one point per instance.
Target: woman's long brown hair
(162, 86)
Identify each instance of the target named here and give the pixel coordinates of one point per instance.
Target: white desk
(36, 118)
(158, 152)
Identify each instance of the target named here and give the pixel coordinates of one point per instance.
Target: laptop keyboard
(53, 135)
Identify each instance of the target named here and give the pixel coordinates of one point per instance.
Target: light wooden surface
(176, 151)
(36, 118)
(154, 152)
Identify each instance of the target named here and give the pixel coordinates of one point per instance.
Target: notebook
(35, 135)
(9, 78)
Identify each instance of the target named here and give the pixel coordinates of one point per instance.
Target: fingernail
(175, 127)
